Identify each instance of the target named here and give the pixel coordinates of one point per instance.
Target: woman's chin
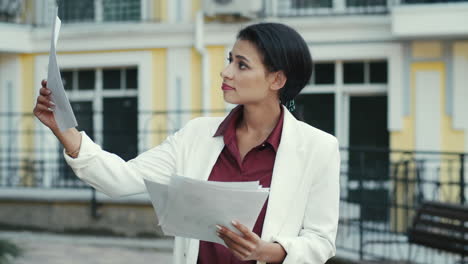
(229, 99)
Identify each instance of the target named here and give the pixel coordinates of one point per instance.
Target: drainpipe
(200, 47)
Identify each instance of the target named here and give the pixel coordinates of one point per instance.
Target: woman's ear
(279, 80)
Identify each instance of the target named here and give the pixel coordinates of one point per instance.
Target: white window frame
(391, 52)
(141, 59)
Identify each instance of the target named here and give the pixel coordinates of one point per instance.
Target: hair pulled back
(281, 48)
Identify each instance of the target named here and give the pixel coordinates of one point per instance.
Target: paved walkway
(47, 248)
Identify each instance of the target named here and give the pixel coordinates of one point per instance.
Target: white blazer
(302, 212)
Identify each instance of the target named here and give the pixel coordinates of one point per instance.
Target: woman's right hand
(44, 107)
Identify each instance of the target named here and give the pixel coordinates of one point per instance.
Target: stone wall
(75, 217)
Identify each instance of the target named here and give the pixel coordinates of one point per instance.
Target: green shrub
(8, 251)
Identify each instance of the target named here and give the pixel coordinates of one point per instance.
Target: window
(124, 78)
(373, 72)
(365, 3)
(353, 72)
(311, 3)
(83, 79)
(318, 110)
(121, 10)
(111, 79)
(378, 72)
(324, 73)
(105, 104)
(76, 11)
(72, 11)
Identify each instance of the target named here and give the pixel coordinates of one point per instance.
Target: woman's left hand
(249, 246)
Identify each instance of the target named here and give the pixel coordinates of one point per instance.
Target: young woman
(259, 140)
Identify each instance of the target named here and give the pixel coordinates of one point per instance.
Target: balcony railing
(297, 8)
(111, 11)
(71, 11)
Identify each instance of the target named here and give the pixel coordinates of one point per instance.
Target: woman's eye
(229, 59)
(242, 66)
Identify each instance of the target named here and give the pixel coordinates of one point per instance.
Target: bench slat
(438, 241)
(444, 212)
(428, 223)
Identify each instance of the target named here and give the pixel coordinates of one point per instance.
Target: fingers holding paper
(44, 107)
(247, 246)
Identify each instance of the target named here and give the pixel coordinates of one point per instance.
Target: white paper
(192, 208)
(63, 112)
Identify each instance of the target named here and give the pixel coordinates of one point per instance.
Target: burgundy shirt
(257, 165)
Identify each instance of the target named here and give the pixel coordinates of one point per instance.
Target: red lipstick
(226, 87)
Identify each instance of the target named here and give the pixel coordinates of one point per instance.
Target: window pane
(132, 78)
(365, 3)
(324, 73)
(311, 3)
(378, 72)
(353, 72)
(120, 125)
(111, 79)
(86, 79)
(121, 10)
(67, 79)
(318, 110)
(76, 11)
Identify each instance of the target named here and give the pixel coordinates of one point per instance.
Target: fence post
(462, 194)
(462, 179)
(94, 204)
(361, 201)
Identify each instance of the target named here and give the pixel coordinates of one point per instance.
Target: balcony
(37, 13)
(430, 18)
(299, 8)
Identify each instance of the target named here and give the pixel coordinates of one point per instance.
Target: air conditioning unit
(243, 8)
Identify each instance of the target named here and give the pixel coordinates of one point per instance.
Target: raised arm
(103, 170)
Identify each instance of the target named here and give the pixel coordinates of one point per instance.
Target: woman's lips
(226, 87)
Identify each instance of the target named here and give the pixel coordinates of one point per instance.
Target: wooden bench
(442, 226)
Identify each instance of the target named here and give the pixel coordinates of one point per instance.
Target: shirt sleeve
(115, 177)
(315, 243)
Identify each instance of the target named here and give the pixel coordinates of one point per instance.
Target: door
(370, 168)
(318, 110)
(120, 126)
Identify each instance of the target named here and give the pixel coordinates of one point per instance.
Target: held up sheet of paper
(63, 112)
(192, 208)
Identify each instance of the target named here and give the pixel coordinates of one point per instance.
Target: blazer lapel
(286, 177)
(209, 150)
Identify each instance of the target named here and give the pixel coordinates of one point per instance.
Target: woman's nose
(226, 73)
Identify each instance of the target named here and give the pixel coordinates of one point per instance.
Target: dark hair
(282, 49)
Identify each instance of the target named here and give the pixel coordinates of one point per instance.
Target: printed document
(192, 208)
(63, 112)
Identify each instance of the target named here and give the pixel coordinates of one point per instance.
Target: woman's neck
(260, 118)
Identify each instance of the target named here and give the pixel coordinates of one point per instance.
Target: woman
(259, 140)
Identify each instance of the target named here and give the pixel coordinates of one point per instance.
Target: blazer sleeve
(315, 243)
(113, 176)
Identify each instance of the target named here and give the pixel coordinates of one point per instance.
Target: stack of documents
(192, 208)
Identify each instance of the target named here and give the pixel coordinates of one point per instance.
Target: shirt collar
(227, 128)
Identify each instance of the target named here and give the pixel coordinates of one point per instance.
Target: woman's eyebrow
(242, 58)
(239, 57)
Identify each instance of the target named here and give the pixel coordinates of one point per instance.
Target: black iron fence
(380, 192)
(380, 188)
